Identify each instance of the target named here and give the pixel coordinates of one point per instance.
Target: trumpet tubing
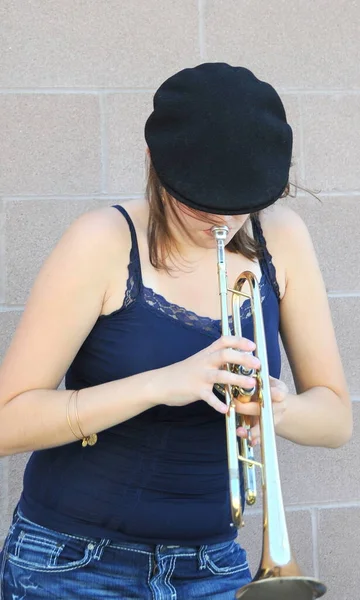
(278, 577)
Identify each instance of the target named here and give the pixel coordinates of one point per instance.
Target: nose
(223, 219)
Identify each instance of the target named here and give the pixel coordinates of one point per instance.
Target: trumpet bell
(282, 588)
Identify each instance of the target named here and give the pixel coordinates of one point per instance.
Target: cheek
(189, 222)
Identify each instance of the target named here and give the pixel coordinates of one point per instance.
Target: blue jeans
(41, 564)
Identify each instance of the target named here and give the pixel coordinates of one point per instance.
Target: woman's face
(198, 224)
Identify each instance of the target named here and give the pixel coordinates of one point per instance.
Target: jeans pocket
(37, 548)
(227, 559)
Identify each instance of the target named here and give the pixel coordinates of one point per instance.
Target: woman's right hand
(194, 378)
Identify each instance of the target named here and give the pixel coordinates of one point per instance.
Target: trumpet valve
(240, 391)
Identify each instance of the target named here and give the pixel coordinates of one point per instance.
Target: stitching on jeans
(37, 540)
(154, 582)
(16, 518)
(4, 559)
(169, 575)
(227, 545)
(151, 582)
(129, 549)
(226, 570)
(54, 569)
(100, 548)
(149, 571)
(202, 558)
(73, 537)
(177, 555)
(166, 580)
(45, 544)
(18, 543)
(55, 554)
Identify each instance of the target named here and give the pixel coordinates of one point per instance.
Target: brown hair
(162, 245)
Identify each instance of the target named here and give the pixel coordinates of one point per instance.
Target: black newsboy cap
(219, 139)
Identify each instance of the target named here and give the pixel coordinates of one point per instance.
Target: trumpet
(279, 576)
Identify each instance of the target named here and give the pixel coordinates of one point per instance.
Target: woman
(126, 493)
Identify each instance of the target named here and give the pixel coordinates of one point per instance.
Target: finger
(253, 435)
(249, 408)
(231, 356)
(277, 383)
(233, 341)
(225, 377)
(277, 395)
(242, 432)
(214, 402)
(247, 423)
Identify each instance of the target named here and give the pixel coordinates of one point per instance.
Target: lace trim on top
(192, 319)
(132, 287)
(189, 318)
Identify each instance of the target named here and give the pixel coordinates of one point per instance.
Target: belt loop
(158, 549)
(202, 557)
(100, 548)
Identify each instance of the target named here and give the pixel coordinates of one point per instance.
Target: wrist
(155, 388)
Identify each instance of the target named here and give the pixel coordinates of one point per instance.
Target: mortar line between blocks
(2, 254)
(302, 141)
(104, 142)
(202, 34)
(315, 529)
(140, 90)
(310, 505)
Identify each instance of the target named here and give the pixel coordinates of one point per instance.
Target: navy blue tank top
(160, 477)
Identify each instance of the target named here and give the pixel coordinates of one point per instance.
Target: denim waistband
(157, 549)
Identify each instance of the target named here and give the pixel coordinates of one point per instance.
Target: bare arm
(320, 414)
(63, 307)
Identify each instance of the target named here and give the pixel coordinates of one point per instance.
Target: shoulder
(287, 238)
(99, 233)
(91, 248)
(282, 222)
(103, 223)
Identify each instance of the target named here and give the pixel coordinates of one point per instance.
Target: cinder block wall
(76, 82)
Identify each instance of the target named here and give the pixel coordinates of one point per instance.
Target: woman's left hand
(279, 396)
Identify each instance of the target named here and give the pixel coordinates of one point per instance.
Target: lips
(209, 230)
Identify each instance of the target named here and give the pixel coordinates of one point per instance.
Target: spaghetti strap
(266, 262)
(135, 277)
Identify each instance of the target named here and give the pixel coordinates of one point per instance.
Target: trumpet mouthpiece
(220, 232)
